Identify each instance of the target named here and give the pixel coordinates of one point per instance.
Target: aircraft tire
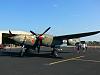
(55, 52)
(21, 53)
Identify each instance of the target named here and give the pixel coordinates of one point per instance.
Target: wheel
(54, 52)
(38, 49)
(22, 52)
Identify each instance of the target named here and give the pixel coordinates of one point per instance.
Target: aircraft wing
(71, 36)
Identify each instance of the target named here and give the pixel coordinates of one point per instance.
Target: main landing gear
(55, 52)
(28, 50)
(22, 52)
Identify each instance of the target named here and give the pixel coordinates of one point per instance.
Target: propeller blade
(33, 33)
(24, 40)
(39, 39)
(45, 31)
(10, 34)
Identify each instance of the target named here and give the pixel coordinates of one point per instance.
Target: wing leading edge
(71, 36)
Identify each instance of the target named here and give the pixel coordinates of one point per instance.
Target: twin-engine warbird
(34, 41)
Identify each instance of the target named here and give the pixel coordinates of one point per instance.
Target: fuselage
(31, 39)
(47, 40)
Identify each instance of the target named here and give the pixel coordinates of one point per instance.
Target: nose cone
(40, 37)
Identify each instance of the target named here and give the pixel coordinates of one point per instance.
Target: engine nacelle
(73, 41)
(61, 46)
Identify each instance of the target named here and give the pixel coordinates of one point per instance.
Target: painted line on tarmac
(61, 61)
(95, 61)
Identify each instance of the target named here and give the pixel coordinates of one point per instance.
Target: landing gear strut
(37, 49)
(22, 51)
(55, 52)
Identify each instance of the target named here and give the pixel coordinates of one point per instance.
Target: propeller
(10, 32)
(39, 38)
(11, 36)
(33, 33)
(24, 40)
(45, 31)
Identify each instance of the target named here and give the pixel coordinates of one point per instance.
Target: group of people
(81, 46)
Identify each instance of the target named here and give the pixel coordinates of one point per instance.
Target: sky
(63, 16)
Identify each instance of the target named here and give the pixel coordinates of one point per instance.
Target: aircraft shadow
(16, 54)
(42, 54)
(8, 54)
(59, 51)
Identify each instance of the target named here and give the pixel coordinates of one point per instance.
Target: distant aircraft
(35, 41)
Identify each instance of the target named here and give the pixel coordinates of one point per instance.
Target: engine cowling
(60, 46)
(73, 41)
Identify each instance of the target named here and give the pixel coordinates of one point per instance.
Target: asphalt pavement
(69, 62)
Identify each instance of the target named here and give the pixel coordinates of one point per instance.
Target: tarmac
(69, 62)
